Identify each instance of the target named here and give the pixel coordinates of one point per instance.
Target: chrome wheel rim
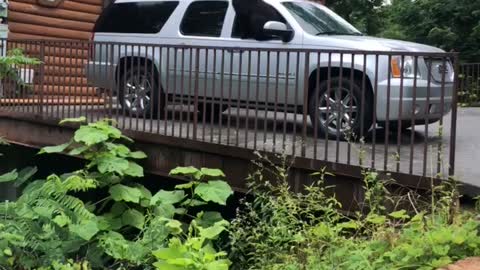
(137, 91)
(338, 111)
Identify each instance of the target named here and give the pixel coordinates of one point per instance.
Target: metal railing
(391, 111)
(469, 83)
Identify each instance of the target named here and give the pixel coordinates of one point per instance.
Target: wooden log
(19, 17)
(12, 36)
(71, 5)
(48, 31)
(68, 81)
(64, 71)
(91, 2)
(52, 12)
(65, 61)
(65, 90)
(53, 51)
(53, 100)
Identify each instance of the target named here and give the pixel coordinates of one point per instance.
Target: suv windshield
(319, 21)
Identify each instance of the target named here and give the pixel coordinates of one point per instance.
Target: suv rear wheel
(138, 93)
(337, 111)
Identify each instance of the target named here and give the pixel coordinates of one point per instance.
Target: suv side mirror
(278, 29)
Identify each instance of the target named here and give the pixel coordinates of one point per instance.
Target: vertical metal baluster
(161, 90)
(295, 109)
(237, 143)
(400, 115)
(205, 90)
(412, 135)
(155, 90)
(316, 96)
(275, 105)
(285, 107)
(387, 116)
(306, 86)
(195, 110)
(190, 85)
(174, 92)
(222, 87)
(256, 101)
(327, 101)
(214, 92)
(338, 99)
(427, 112)
(442, 109)
(144, 81)
(375, 101)
(267, 89)
(352, 81)
(453, 128)
(230, 86)
(249, 74)
(167, 90)
(182, 94)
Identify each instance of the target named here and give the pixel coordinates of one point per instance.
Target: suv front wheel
(138, 92)
(336, 109)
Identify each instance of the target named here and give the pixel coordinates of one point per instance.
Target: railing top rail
(293, 50)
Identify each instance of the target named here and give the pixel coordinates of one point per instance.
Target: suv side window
(261, 16)
(204, 18)
(135, 17)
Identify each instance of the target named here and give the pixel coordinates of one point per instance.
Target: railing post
(42, 77)
(453, 129)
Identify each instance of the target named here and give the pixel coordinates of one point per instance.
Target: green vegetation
(55, 224)
(101, 217)
(448, 24)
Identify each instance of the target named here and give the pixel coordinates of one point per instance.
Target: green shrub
(281, 229)
(53, 224)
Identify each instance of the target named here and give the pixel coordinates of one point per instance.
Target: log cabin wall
(69, 20)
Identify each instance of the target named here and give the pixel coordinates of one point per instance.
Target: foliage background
(448, 24)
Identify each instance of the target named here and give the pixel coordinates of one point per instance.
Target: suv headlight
(408, 67)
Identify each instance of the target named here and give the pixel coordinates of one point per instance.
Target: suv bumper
(420, 103)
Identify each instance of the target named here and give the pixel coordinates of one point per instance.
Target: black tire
(352, 110)
(141, 76)
(211, 111)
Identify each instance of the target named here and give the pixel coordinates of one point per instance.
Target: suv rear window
(135, 17)
(204, 18)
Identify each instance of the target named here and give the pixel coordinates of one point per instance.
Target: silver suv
(310, 50)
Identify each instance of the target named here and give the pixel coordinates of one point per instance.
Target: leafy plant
(57, 224)
(10, 64)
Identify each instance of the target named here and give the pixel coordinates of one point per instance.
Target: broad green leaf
(124, 193)
(174, 225)
(212, 172)
(376, 219)
(133, 218)
(167, 266)
(9, 177)
(167, 197)
(81, 119)
(54, 149)
(90, 135)
(118, 149)
(61, 220)
(118, 208)
(186, 171)
(214, 191)
(138, 155)
(188, 185)
(111, 164)
(214, 231)
(193, 203)
(165, 210)
(106, 127)
(79, 150)
(24, 175)
(134, 170)
(85, 230)
(402, 214)
(218, 265)
(208, 219)
(168, 253)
